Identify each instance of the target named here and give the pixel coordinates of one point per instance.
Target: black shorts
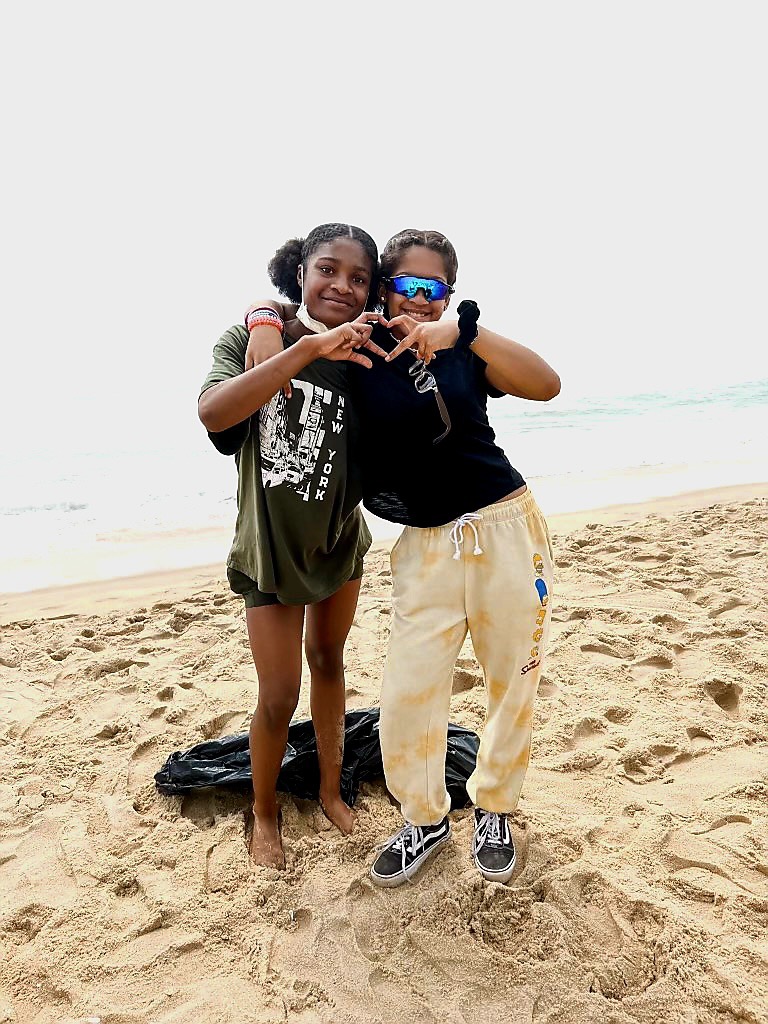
(243, 585)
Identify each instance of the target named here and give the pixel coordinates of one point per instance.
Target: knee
(326, 661)
(277, 708)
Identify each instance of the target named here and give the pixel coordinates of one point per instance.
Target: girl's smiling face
(417, 261)
(337, 279)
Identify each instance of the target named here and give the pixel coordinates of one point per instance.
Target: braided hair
(434, 240)
(284, 266)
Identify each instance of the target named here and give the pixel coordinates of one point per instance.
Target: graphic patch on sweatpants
(543, 594)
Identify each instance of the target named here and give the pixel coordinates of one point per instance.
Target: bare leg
(328, 623)
(275, 635)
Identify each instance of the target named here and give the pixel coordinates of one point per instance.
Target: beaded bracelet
(263, 321)
(267, 310)
(262, 311)
(263, 317)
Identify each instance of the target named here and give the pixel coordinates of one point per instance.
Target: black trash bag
(227, 762)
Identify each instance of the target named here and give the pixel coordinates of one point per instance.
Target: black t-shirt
(407, 478)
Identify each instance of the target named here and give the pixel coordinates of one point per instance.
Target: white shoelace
(457, 533)
(407, 840)
(488, 831)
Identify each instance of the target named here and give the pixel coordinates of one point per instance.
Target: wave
(58, 506)
(751, 395)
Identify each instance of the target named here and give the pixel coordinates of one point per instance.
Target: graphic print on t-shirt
(296, 434)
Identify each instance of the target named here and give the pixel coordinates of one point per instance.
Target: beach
(148, 506)
(641, 892)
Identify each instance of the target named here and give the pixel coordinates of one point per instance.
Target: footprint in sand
(735, 632)
(559, 631)
(94, 646)
(744, 553)
(661, 659)
(373, 920)
(547, 688)
(690, 661)
(163, 634)
(223, 724)
(23, 924)
(465, 679)
(607, 650)
(667, 753)
(564, 615)
(731, 827)
(667, 620)
(650, 558)
(113, 666)
(699, 738)
(226, 869)
(706, 868)
(589, 732)
(725, 693)
(164, 945)
(199, 808)
(619, 715)
(175, 715)
(181, 620)
(642, 668)
(144, 763)
(727, 605)
(110, 730)
(633, 538)
(384, 984)
(650, 763)
(128, 630)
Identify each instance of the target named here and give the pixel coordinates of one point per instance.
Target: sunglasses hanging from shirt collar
(424, 381)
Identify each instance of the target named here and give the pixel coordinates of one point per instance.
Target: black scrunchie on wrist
(469, 314)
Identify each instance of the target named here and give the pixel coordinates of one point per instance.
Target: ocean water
(72, 516)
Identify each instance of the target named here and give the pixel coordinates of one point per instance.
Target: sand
(642, 888)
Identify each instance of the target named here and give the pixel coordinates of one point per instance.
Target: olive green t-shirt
(299, 530)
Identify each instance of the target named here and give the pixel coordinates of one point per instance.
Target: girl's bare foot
(336, 811)
(265, 846)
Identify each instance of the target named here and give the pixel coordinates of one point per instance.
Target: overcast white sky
(600, 167)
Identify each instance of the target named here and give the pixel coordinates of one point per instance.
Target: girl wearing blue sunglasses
(474, 556)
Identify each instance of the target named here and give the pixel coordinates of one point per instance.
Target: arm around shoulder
(229, 401)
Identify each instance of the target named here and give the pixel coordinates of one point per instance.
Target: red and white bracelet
(263, 316)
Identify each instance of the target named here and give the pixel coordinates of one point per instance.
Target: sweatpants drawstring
(457, 533)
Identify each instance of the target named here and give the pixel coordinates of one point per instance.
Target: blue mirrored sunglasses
(408, 286)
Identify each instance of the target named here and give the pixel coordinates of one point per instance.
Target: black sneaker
(493, 849)
(404, 853)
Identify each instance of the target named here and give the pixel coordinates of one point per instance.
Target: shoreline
(105, 594)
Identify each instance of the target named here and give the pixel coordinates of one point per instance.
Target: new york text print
(297, 438)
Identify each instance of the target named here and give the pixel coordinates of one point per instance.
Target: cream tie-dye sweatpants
(500, 589)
